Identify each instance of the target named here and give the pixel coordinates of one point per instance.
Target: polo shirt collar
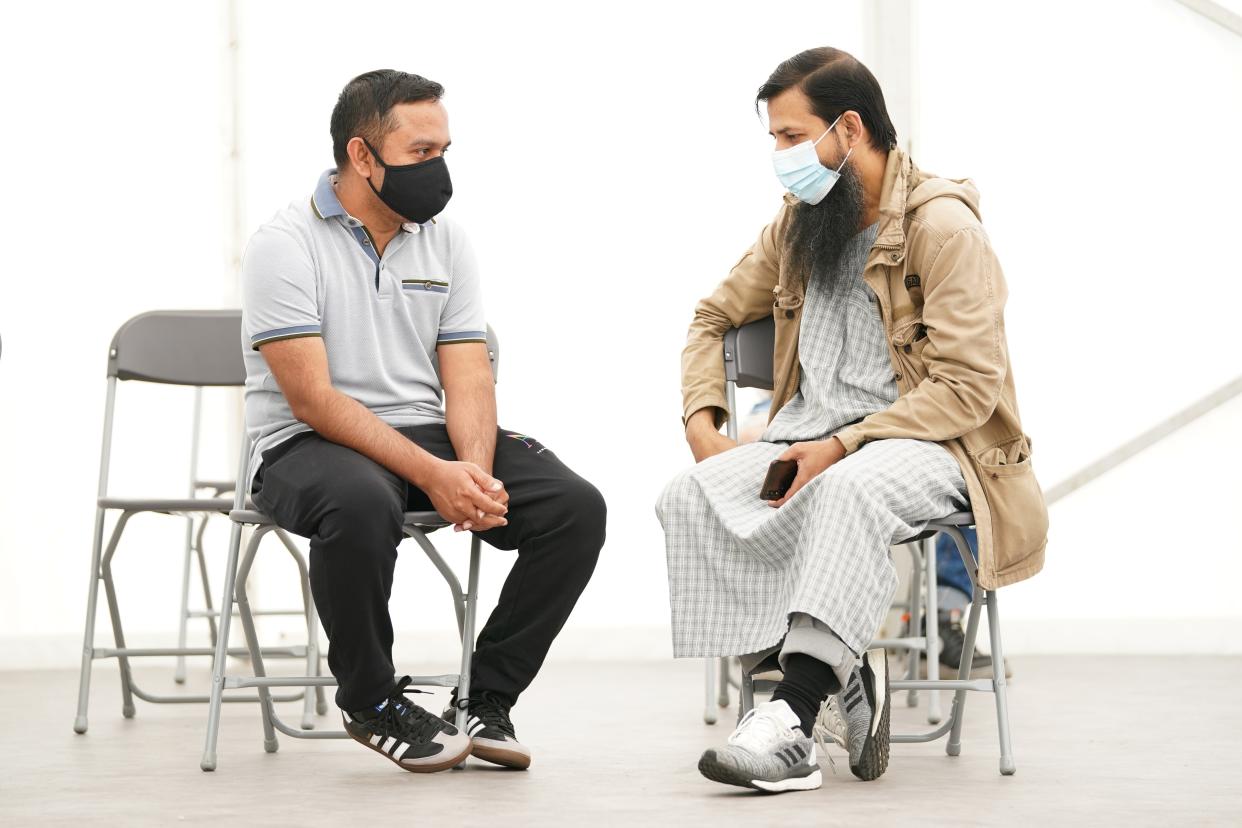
(326, 205)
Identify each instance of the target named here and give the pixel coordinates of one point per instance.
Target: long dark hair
(834, 81)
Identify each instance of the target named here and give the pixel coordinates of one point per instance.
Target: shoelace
(829, 726)
(756, 734)
(406, 719)
(488, 709)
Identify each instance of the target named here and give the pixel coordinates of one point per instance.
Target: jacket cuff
(719, 416)
(852, 438)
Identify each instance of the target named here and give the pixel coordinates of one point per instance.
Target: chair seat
(165, 504)
(420, 520)
(957, 519)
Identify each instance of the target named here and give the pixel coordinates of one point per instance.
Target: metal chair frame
(204, 359)
(416, 525)
(745, 366)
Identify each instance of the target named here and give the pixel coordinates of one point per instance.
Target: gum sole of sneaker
(874, 759)
(501, 756)
(429, 768)
(716, 772)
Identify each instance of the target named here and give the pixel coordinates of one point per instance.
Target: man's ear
(360, 158)
(854, 129)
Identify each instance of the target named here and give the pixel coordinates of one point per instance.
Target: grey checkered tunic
(737, 568)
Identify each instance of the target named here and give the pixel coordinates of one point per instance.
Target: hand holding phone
(781, 474)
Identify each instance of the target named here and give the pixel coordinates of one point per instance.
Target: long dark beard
(816, 234)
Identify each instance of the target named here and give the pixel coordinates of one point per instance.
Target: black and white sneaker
(857, 717)
(407, 734)
(491, 732)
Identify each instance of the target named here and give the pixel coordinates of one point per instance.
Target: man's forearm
(470, 416)
(342, 419)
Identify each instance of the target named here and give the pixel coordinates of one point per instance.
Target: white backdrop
(610, 166)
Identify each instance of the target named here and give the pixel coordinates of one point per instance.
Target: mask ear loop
(828, 130)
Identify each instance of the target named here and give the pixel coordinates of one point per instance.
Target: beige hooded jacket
(942, 296)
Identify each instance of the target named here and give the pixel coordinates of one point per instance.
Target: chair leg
(932, 633)
(1007, 765)
(916, 612)
(105, 568)
(470, 605)
(746, 696)
(252, 638)
(208, 761)
(709, 691)
(205, 579)
(954, 746)
(88, 635)
(722, 698)
(308, 607)
(183, 618)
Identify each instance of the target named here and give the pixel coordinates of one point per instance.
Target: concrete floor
(1099, 740)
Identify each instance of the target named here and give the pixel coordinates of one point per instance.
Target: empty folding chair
(199, 349)
(416, 526)
(748, 363)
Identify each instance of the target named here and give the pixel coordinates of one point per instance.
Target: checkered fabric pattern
(737, 567)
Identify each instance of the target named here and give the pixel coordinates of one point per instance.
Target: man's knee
(675, 497)
(368, 511)
(586, 509)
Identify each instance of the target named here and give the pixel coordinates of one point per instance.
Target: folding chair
(189, 348)
(416, 525)
(748, 363)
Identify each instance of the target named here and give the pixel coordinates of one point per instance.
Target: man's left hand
(813, 458)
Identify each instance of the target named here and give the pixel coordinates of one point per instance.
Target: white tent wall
(610, 168)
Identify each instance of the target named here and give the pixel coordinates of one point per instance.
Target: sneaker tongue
(781, 711)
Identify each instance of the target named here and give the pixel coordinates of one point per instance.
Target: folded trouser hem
(809, 636)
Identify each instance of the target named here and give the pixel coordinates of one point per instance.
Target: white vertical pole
(891, 41)
(234, 190)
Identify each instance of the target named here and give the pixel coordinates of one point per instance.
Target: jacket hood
(963, 189)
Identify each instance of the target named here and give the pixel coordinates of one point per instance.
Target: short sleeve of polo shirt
(278, 289)
(462, 318)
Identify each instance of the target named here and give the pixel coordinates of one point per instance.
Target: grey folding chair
(748, 363)
(200, 349)
(416, 525)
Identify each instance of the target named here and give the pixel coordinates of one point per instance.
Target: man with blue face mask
(892, 395)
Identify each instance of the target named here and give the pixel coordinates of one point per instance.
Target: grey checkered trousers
(737, 568)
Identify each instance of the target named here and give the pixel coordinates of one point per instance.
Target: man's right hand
(705, 441)
(466, 495)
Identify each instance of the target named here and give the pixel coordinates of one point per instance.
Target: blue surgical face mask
(799, 170)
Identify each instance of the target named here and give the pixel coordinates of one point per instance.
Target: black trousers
(351, 509)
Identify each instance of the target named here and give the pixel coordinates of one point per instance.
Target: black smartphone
(780, 477)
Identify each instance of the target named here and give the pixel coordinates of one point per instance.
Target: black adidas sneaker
(491, 732)
(407, 734)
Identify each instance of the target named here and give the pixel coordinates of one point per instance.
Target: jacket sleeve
(965, 357)
(744, 296)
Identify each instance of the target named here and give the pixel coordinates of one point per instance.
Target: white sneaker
(767, 752)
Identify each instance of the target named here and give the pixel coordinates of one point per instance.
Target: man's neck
(871, 167)
(359, 201)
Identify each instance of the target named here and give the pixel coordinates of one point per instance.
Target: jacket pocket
(1014, 499)
(908, 340)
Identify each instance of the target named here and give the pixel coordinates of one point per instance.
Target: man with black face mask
(893, 397)
(350, 298)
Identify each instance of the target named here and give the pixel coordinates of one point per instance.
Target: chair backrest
(748, 354)
(493, 352)
(187, 347)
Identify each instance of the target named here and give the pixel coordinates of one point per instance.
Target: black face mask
(416, 192)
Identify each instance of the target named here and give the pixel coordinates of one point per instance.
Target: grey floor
(1099, 740)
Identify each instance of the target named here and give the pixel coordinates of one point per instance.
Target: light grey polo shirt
(313, 271)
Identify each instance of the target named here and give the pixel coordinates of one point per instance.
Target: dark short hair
(365, 106)
(835, 82)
